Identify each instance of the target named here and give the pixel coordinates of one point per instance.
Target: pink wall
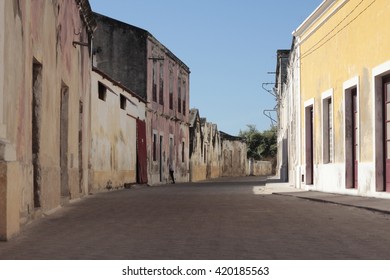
(164, 121)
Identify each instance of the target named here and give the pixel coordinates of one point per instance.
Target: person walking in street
(171, 172)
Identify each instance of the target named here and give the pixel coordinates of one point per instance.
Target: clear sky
(229, 46)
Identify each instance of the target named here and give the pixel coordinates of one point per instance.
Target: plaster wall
(259, 168)
(233, 158)
(114, 134)
(337, 47)
(169, 125)
(197, 166)
(41, 32)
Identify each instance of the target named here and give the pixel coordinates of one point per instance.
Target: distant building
(45, 80)
(133, 57)
(283, 110)
(197, 165)
(211, 149)
(234, 156)
(205, 148)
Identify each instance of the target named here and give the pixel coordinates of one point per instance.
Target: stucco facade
(283, 114)
(344, 67)
(205, 148)
(197, 163)
(115, 112)
(167, 114)
(44, 99)
(234, 156)
(133, 57)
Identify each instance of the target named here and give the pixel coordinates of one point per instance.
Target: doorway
(351, 138)
(142, 176)
(36, 131)
(309, 145)
(161, 158)
(386, 129)
(64, 124)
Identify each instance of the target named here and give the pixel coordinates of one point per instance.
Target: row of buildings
(88, 104)
(333, 89)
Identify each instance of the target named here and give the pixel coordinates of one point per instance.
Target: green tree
(261, 145)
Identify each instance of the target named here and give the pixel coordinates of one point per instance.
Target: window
(171, 142)
(171, 90)
(123, 102)
(161, 87)
(182, 152)
(327, 127)
(179, 95)
(154, 82)
(184, 97)
(102, 91)
(154, 147)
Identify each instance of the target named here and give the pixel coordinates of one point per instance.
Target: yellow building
(344, 62)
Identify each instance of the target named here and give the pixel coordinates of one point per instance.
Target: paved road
(228, 219)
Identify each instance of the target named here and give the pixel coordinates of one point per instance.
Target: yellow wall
(349, 43)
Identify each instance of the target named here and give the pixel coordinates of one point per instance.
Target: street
(225, 219)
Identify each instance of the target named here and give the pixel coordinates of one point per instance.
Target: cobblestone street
(223, 219)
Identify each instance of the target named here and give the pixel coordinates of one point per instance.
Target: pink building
(133, 57)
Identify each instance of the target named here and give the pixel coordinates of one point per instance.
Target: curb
(336, 203)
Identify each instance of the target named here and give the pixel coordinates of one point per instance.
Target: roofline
(320, 10)
(153, 39)
(280, 54)
(87, 15)
(169, 53)
(118, 84)
(226, 136)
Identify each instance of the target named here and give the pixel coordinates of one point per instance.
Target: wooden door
(142, 176)
(386, 99)
(309, 145)
(355, 136)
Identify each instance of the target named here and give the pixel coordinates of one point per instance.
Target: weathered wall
(293, 104)
(128, 54)
(42, 32)
(113, 135)
(259, 168)
(120, 52)
(197, 166)
(234, 160)
(212, 149)
(169, 127)
(283, 114)
(205, 149)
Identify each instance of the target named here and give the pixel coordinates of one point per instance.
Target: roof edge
(87, 15)
(309, 21)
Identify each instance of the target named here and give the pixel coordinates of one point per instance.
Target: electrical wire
(314, 48)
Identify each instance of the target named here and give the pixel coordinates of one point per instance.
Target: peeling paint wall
(283, 114)
(113, 155)
(167, 123)
(120, 52)
(133, 57)
(197, 163)
(234, 152)
(212, 150)
(259, 168)
(205, 152)
(41, 32)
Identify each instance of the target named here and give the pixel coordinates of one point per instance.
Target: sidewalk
(369, 203)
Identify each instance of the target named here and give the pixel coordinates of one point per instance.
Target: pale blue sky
(229, 45)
